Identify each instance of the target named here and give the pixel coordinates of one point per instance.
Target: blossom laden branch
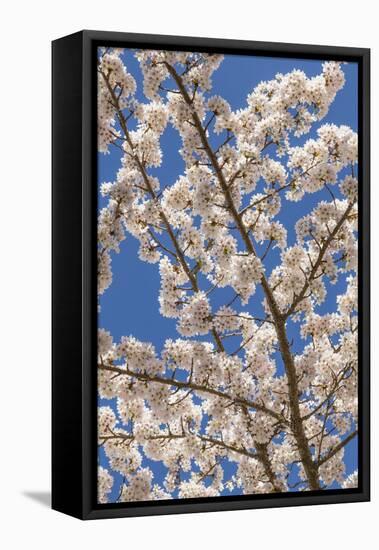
(208, 230)
(190, 385)
(337, 448)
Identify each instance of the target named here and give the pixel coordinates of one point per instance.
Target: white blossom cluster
(231, 387)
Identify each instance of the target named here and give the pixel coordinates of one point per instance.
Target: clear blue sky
(130, 305)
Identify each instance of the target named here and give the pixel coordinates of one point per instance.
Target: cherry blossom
(231, 388)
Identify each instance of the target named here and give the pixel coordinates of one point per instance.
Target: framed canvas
(210, 275)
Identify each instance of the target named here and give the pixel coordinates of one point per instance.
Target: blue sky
(130, 306)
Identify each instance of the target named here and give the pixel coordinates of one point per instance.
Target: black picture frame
(74, 313)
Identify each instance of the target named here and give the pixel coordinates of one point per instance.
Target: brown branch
(261, 455)
(130, 437)
(266, 463)
(296, 423)
(340, 446)
(141, 167)
(224, 445)
(317, 264)
(196, 387)
(278, 190)
(336, 387)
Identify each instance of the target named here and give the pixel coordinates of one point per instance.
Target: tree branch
(340, 446)
(323, 249)
(296, 422)
(196, 387)
(141, 167)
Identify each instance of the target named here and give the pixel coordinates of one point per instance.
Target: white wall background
(26, 31)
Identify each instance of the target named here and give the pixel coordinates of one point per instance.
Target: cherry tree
(232, 388)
